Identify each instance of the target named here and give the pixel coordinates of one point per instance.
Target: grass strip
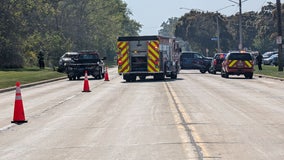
(8, 78)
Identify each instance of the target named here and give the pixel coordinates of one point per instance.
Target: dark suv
(237, 63)
(89, 61)
(194, 60)
(216, 63)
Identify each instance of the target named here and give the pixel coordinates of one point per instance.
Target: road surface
(196, 117)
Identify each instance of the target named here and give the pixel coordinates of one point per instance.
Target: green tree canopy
(57, 26)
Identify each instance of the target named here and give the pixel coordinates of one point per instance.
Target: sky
(152, 13)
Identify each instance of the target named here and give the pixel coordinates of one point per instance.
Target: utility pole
(240, 23)
(240, 26)
(218, 34)
(279, 37)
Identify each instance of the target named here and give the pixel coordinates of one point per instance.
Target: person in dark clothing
(41, 60)
(259, 61)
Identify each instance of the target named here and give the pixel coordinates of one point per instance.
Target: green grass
(8, 78)
(269, 71)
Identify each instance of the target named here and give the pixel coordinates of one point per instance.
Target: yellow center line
(187, 132)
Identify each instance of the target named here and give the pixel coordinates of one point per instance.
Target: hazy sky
(151, 13)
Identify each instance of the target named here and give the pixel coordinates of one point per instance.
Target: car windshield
(240, 56)
(70, 55)
(220, 56)
(186, 55)
(88, 56)
(268, 54)
(191, 55)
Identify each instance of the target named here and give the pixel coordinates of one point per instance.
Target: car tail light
(215, 62)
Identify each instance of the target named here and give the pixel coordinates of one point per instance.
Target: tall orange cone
(19, 115)
(86, 83)
(106, 75)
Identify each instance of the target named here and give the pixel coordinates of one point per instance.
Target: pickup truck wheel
(100, 75)
(103, 75)
(226, 75)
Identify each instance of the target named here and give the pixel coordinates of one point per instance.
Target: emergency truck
(142, 56)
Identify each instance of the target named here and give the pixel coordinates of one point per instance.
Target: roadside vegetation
(57, 26)
(269, 71)
(8, 78)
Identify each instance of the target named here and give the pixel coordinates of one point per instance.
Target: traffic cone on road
(19, 115)
(106, 75)
(86, 83)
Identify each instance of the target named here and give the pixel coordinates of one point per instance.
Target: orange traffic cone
(106, 75)
(86, 83)
(19, 115)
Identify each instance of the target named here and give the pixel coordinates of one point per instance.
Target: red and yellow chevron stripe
(153, 56)
(123, 57)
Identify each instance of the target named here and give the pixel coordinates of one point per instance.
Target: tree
(198, 29)
(57, 26)
(168, 27)
(259, 29)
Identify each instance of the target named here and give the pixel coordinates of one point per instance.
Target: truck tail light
(119, 63)
(156, 62)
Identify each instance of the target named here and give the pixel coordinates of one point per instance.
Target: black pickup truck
(89, 61)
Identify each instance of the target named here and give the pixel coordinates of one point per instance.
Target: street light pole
(218, 28)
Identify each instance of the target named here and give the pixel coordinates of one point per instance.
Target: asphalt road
(196, 117)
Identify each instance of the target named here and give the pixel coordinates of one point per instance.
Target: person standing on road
(259, 58)
(41, 59)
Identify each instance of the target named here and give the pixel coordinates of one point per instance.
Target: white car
(270, 60)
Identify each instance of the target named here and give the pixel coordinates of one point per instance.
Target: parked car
(195, 60)
(237, 63)
(216, 63)
(270, 60)
(89, 61)
(275, 60)
(268, 54)
(65, 59)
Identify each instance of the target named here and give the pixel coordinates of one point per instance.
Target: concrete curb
(32, 84)
(270, 77)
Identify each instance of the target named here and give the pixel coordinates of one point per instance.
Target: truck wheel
(202, 71)
(100, 76)
(103, 75)
(173, 75)
(133, 78)
(142, 77)
(159, 77)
